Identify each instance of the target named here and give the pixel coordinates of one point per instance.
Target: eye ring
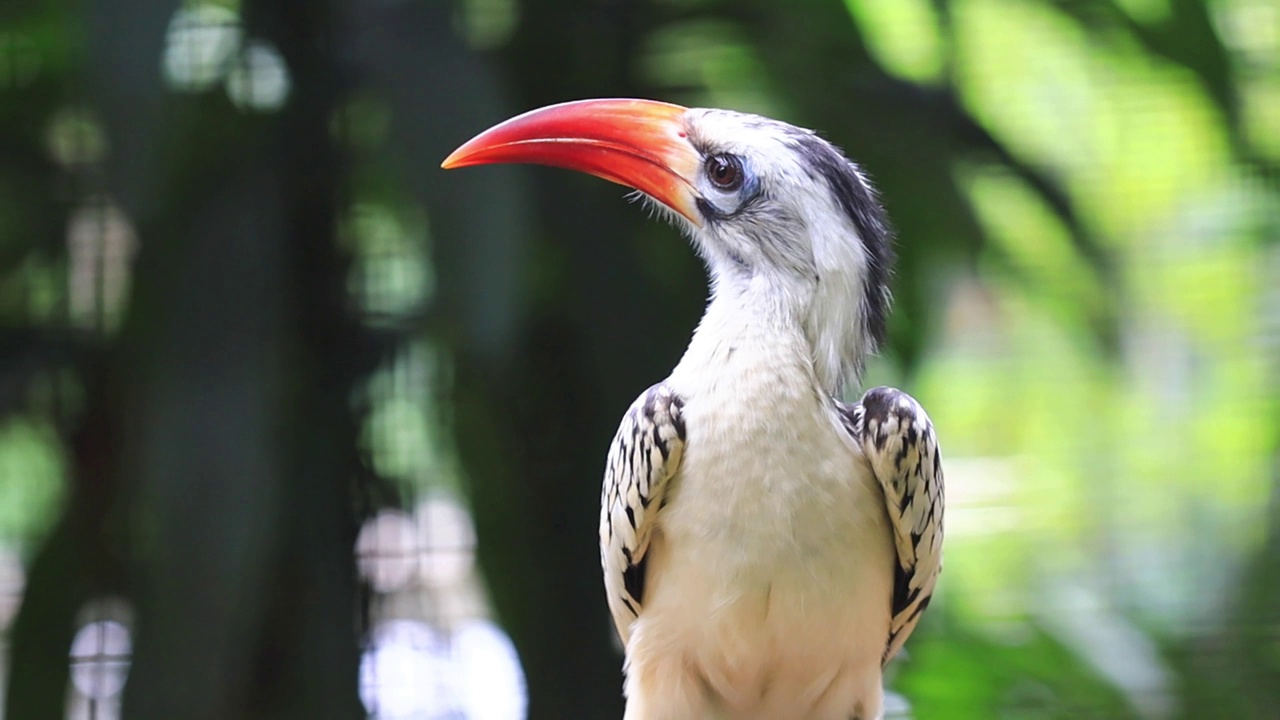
(724, 171)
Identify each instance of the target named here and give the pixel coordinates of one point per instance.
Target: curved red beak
(638, 143)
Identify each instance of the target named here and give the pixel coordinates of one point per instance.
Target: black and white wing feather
(644, 456)
(898, 441)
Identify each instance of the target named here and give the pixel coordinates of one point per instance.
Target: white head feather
(803, 235)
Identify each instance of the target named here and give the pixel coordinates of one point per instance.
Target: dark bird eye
(725, 171)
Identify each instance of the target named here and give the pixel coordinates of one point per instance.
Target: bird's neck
(761, 321)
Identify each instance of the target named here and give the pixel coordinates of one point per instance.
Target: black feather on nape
(855, 196)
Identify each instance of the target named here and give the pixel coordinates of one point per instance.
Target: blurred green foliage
(1088, 302)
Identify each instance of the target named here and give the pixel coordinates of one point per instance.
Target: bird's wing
(644, 456)
(898, 441)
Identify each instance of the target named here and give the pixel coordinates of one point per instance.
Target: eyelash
(725, 171)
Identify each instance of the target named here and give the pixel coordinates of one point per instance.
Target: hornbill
(766, 546)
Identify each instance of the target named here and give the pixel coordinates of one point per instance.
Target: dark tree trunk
(217, 446)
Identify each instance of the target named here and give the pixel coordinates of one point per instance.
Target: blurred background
(293, 424)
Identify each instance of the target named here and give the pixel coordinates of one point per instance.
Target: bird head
(786, 224)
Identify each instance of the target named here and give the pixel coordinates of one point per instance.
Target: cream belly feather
(771, 567)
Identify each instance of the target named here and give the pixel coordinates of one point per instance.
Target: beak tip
(462, 156)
